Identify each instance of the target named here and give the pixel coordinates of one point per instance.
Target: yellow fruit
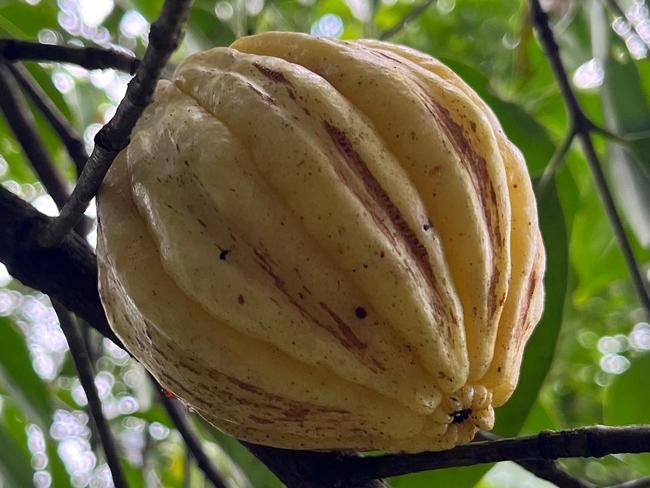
(323, 245)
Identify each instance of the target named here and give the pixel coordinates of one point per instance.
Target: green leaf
(21, 20)
(538, 419)
(256, 472)
(18, 377)
(150, 9)
(626, 403)
(632, 188)
(456, 477)
(626, 110)
(15, 424)
(541, 346)
(15, 465)
(28, 392)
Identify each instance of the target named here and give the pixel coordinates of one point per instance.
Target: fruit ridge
(323, 245)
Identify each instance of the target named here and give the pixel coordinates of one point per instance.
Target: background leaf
(621, 408)
(626, 111)
(17, 376)
(15, 465)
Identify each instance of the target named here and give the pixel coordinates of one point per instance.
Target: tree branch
(66, 272)
(596, 441)
(79, 355)
(22, 124)
(164, 37)
(556, 161)
(179, 418)
(545, 469)
(308, 469)
(583, 128)
(87, 57)
(73, 144)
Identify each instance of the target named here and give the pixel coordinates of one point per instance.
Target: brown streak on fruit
(397, 60)
(295, 413)
(260, 420)
(400, 228)
(244, 386)
(345, 337)
(345, 329)
(532, 282)
(476, 168)
(271, 74)
(266, 97)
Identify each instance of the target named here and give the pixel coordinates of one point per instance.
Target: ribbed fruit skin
(323, 245)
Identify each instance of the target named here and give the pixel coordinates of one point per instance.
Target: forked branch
(164, 38)
(581, 127)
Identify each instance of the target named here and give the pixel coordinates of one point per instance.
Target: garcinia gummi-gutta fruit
(323, 245)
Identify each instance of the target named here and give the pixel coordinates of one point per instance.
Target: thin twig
(546, 469)
(555, 162)
(615, 219)
(23, 126)
(583, 127)
(624, 139)
(164, 37)
(596, 441)
(179, 419)
(413, 14)
(87, 57)
(81, 361)
(72, 142)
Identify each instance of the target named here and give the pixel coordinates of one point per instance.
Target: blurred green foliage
(587, 363)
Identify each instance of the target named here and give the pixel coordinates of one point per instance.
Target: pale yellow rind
(522, 309)
(298, 158)
(449, 151)
(266, 289)
(324, 245)
(308, 407)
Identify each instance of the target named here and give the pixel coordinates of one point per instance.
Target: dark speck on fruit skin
(360, 312)
(461, 415)
(223, 254)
